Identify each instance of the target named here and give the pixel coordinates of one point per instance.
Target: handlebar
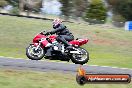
(45, 33)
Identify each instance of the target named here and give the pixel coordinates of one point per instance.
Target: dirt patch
(112, 42)
(12, 73)
(102, 42)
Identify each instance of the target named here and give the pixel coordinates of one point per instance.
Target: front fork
(37, 46)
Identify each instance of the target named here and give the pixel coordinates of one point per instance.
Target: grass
(27, 79)
(107, 46)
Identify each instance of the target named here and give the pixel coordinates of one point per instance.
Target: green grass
(28, 79)
(107, 46)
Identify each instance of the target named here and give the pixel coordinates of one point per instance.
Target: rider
(64, 35)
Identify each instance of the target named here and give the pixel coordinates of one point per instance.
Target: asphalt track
(22, 64)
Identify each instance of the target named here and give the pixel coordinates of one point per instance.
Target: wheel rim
(82, 56)
(35, 53)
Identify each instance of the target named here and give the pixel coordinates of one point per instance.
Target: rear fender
(79, 42)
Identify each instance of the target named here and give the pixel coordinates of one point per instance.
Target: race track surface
(22, 64)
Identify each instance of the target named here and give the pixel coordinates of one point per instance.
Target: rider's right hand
(48, 33)
(42, 33)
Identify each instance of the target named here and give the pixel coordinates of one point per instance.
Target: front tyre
(33, 53)
(81, 58)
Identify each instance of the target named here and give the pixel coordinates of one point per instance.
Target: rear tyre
(80, 58)
(33, 54)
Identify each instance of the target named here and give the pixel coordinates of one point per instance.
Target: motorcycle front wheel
(81, 58)
(33, 53)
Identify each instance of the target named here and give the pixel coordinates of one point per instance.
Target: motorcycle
(49, 48)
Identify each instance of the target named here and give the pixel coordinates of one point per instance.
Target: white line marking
(69, 63)
(110, 67)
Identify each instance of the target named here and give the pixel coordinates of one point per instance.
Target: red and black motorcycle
(48, 47)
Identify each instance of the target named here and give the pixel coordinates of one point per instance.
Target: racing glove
(48, 33)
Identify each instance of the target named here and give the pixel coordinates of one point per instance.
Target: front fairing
(38, 37)
(52, 38)
(44, 42)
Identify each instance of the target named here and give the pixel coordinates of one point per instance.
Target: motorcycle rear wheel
(80, 59)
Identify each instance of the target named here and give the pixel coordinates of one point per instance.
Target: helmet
(56, 23)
